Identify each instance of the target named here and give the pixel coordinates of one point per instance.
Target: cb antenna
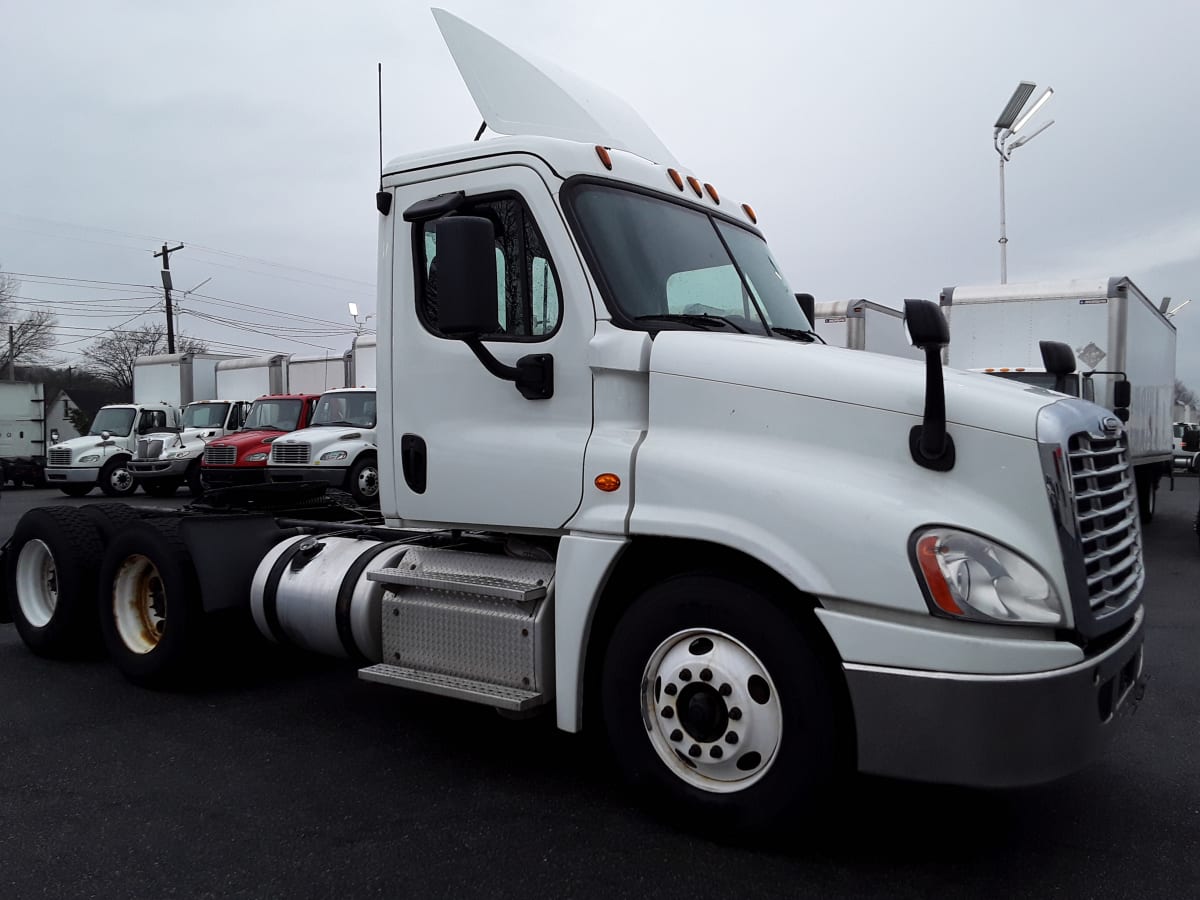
(383, 199)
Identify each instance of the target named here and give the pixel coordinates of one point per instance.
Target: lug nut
(694, 750)
(706, 674)
(685, 674)
(726, 690)
(731, 738)
(668, 712)
(735, 713)
(677, 735)
(671, 689)
(716, 752)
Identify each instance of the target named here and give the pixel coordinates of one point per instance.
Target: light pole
(1010, 122)
(358, 326)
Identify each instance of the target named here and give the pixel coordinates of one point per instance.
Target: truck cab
(102, 456)
(337, 448)
(164, 461)
(241, 458)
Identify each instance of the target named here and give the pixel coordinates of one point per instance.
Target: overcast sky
(860, 132)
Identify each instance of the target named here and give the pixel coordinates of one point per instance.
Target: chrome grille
(290, 454)
(148, 448)
(220, 456)
(60, 457)
(1106, 517)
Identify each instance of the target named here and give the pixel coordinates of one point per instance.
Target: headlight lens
(91, 457)
(333, 454)
(967, 576)
(255, 457)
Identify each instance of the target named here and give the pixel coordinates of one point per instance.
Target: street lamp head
(353, 309)
(1041, 101)
(1012, 109)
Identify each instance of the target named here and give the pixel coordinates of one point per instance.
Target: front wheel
(717, 702)
(160, 487)
(364, 481)
(115, 478)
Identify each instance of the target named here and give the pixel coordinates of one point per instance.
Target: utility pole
(165, 253)
(12, 354)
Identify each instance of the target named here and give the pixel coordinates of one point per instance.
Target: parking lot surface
(298, 780)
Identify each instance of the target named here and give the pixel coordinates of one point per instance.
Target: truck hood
(248, 441)
(322, 435)
(848, 376)
(85, 442)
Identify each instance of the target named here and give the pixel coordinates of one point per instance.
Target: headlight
(91, 457)
(966, 576)
(255, 457)
(332, 455)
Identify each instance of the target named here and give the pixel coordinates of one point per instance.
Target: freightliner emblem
(1110, 424)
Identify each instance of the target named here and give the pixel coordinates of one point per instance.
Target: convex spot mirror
(463, 276)
(1122, 395)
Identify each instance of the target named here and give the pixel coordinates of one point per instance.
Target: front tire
(159, 487)
(363, 481)
(115, 478)
(51, 581)
(151, 618)
(717, 702)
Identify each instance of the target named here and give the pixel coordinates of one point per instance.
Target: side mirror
(929, 443)
(1122, 394)
(105, 435)
(808, 306)
(463, 275)
(54, 437)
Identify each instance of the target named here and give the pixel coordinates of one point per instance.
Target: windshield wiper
(796, 334)
(701, 321)
(339, 422)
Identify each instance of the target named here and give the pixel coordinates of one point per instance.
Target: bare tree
(112, 355)
(1184, 396)
(33, 332)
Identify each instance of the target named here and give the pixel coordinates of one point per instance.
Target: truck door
(468, 448)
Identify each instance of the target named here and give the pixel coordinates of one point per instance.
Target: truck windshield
(205, 415)
(660, 261)
(357, 409)
(1047, 380)
(117, 421)
(273, 415)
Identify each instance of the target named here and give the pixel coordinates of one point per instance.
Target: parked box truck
(316, 374)
(23, 438)
(751, 560)
(1116, 332)
(863, 325)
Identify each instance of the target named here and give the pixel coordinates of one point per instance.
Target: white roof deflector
(518, 95)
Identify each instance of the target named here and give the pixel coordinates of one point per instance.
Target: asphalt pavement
(298, 780)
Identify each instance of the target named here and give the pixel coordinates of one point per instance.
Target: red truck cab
(241, 458)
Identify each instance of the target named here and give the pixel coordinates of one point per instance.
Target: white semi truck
(162, 386)
(606, 489)
(1121, 342)
(864, 325)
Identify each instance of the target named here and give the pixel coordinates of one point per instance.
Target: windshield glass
(658, 258)
(356, 408)
(273, 415)
(114, 421)
(1178, 431)
(205, 415)
(1046, 380)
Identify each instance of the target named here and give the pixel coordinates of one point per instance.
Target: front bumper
(72, 475)
(160, 468)
(232, 476)
(334, 475)
(992, 730)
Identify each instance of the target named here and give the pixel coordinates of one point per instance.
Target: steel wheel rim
(368, 481)
(139, 604)
(37, 583)
(120, 479)
(711, 710)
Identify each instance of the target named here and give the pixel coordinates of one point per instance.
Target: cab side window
(528, 305)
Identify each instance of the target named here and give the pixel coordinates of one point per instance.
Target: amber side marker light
(608, 482)
(749, 213)
(938, 589)
(695, 183)
(605, 158)
(712, 192)
(676, 177)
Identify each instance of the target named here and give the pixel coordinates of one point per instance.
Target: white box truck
(162, 385)
(363, 366)
(23, 438)
(660, 523)
(316, 374)
(863, 325)
(251, 377)
(1116, 334)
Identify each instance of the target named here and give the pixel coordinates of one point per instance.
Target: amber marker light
(749, 213)
(605, 158)
(712, 192)
(938, 589)
(607, 482)
(676, 177)
(695, 183)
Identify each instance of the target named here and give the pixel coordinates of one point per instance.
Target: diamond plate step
(453, 686)
(463, 583)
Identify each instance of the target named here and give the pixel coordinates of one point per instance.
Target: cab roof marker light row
(697, 188)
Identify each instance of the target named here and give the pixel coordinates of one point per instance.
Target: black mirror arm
(533, 374)
(930, 444)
